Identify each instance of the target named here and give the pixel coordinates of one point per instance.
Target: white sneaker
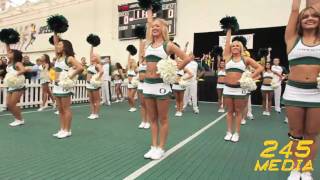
(228, 136)
(150, 152)
(221, 110)
(146, 125)
(196, 110)
(264, 113)
(157, 154)
(235, 137)
(117, 101)
(57, 112)
(178, 114)
(2, 109)
(42, 108)
(268, 113)
(294, 175)
(250, 116)
(91, 116)
(56, 134)
(64, 134)
(133, 109)
(190, 103)
(17, 123)
(286, 120)
(306, 176)
(141, 125)
(96, 116)
(243, 122)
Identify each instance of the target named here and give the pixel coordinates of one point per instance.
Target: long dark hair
(17, 55)
(265, 66)
(67, 48)
(47, 60)
(118, 66)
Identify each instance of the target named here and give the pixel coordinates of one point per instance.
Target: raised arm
(77, 66)
(55, 42)
(226, 51)
(141, 51)
(8, 48)
(291, 33)
(173, 49)
(149, 24)
(91, 52)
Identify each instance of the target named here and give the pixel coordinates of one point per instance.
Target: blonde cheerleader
(266, 89)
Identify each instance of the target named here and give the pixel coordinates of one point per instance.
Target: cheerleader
(65, 63)
(157, 93)
(93, 86)
(118, 76)
(142, 73)
(178, 89)
(302, 95)
(220, 84)
(266, 89)
(15, 68)
(235, 98)
(45, 68)
(132, 90)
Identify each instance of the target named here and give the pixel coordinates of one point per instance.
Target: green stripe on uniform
(234, 70)
(152, 58)
(63, 94)
(142, 71)
(56, 69)
(302, 85)
(153, 80)
(304, 61)
(300, 104)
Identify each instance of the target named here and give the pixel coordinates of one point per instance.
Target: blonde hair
(164, 30)
(98, 59)
(242, 53)
(299, 25)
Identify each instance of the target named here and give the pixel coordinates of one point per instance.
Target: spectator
(3, 67)
(26, 63)
(83, 75)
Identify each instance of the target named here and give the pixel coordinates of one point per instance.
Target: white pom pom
(246, 81)
(167, 69)
(13, 81)
(65, 81)
(95, 81)
(135, 82)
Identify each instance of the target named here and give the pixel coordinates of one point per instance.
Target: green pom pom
(94, 40)
(9, 36)
(229, 22)
(156, 5)
(140, 31)
(58, 23)
(242, 39)
(132, 50)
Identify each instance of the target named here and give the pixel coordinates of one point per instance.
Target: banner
(249, 37)
(34, 37)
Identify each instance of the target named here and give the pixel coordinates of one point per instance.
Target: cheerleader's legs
(277, 97)
(264, 101)
(158, 112)
(269, 100)
(96, 101)
(12, 100)
(91, 100)
(179, 100)
(229, 104)
(119, 92)
(239, 105)
(143, 110)
(131, 95)
(46, 93)
(220, 99)
(64, 106)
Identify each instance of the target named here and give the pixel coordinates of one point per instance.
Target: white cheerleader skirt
(220, 86)
(155, 88)
(119, 81)
(177, 87)
(90, 87)
(301, 95)
(234, 92)
(130, 86)
(266, 87)
(59, 91)
(12, 90)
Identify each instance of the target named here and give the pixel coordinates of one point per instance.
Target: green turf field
(113, 147)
